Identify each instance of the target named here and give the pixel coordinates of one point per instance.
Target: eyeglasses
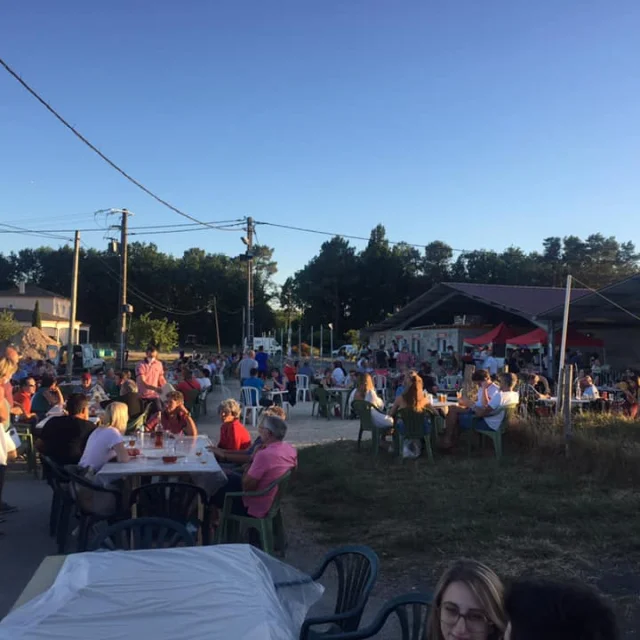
(475, 621)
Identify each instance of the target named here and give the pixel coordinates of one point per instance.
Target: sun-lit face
(462, 616)
(172, 404)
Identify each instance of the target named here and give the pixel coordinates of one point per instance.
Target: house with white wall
(54, 311)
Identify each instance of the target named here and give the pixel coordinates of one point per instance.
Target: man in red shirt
(188, 384)
(22, 400)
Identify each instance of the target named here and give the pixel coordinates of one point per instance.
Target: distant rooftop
(30, 291)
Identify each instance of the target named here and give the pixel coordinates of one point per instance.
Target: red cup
(169, 459)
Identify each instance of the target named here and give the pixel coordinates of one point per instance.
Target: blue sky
(482, 124)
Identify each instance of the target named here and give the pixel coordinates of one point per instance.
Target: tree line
(353, 289)
(179, 288)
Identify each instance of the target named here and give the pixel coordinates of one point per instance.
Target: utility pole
(123, 286)
(215, 311)
(74, 303)
(249, 243)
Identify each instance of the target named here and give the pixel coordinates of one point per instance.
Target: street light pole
(331, 337)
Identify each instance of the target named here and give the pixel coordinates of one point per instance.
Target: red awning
(497, 335)
(539, 338)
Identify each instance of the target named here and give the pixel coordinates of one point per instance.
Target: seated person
(233, 434)
(276, 381)
(176, 418)
(366, 391)
(106, 443)
(414, 399)
(22, 401)
(463, 415)
(256, 383)
(244, 456)
(491, 415)
(540, 385)
(274, 458)
(589, 390)
(188, 384)
(86, 384)
(338, 375)
(306, 370)
(46, 397)
(540, 609)
(129, 395)
(63, 438)
(429, 381)
(204, 379)
(111, 383)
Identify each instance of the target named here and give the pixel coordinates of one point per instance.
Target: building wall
(28, 302)
(419, 341)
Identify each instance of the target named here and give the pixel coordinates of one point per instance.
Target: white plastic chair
(380, 383)
(302, 387)
(250, 400)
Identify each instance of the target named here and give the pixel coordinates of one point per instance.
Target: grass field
(536, 512)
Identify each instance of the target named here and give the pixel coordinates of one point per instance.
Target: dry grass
(538, 511)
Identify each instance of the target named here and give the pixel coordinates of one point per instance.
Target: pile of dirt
(31, 343)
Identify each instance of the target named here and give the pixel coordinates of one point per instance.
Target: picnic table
(203, 468)
(213, 592)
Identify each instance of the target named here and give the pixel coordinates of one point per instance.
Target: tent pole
(563, 341)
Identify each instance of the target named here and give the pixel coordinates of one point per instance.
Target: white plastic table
(203, 469)
(344, 398)
(214, 592)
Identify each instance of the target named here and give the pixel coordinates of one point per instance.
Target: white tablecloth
(224, 592)
(204, 469)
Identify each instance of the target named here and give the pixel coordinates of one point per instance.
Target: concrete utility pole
(215, 311)
(249, 243)
(74, 303)
(123, 286)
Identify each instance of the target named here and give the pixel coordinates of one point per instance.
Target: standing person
(468, 604)
(247, 363)
(150, 378)
(262, 359)
(490, 362)
(63, 438)
(540, 609)
(7, 447)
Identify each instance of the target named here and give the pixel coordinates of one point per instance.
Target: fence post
(567, 384)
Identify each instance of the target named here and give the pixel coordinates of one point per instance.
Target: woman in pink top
(270, 462)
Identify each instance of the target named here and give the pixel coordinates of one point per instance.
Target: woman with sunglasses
(468, 604)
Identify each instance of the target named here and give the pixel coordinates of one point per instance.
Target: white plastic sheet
(222, 592)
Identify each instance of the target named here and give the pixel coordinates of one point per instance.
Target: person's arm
(4, 412)
(253, 474)
(121, 452)
(190, 428)
(494, 404)
(397, 404)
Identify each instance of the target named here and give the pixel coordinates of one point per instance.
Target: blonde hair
(485, 586)
(128, 386)
(414, 394)
(117, 415)
(276, 411)
(230, 406)
(7, 369)
(365, 383)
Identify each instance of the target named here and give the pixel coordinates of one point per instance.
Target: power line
(15, 229)
(615, 304)
(349, 237)
(95, 149)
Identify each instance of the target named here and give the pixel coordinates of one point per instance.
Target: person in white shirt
(338, 375)
(493, 414)
(7, 454)
(589, 390)
(461, 417)
(106, 442)
(365, 390)
(490, 363)
(204, 379)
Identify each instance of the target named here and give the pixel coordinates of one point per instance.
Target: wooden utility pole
(74, 304)
(250, 324)
(123, 287)
(215, 311)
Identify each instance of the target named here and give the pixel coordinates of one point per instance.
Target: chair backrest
(250, 397)
(510, 413)
(302, 381)
(320, 395)
(357, 569)
(191, 398)
(412, 613)
(380, 381)
(363, 410)
(90, 497)
(53, 473)
(416, 423)
(282, 483)
(179, 501)
(138, 423)
(142, 533)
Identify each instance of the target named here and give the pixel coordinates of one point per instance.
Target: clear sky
(482, 123)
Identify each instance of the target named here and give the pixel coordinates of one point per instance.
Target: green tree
(36, 319)
(159, 331)
(9, 326)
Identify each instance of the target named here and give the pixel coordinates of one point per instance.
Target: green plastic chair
(321, 400)
(30, 454)
(510, 412)
(191, 402)
(363, 410)
(138, 423)
(418, 425)
(270, 528)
